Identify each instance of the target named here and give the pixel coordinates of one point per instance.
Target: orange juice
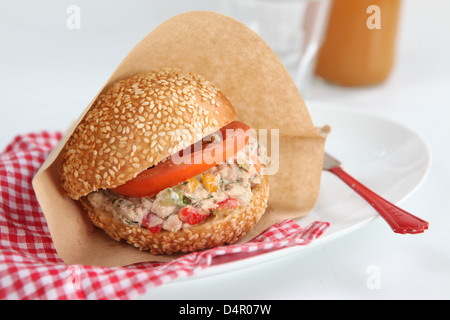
(359, 44)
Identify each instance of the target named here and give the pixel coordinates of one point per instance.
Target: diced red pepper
(156, 229)
(191, 215)
(228, 203)
(256, 162)
(147, 221)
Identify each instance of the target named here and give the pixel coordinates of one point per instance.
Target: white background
(48, 75)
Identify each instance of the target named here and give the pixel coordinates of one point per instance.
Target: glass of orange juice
(359, 44)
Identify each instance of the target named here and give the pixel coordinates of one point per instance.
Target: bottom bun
(225, 226)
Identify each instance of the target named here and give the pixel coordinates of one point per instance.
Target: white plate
(387, 157)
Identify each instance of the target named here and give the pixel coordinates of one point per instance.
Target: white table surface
(50, 73)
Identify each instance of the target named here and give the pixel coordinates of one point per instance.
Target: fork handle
(398, 219)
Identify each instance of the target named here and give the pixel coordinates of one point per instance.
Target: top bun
(137, 122)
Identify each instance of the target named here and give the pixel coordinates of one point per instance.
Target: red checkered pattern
(31, 269)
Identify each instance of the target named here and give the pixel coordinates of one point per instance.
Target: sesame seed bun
(137, 122)
(225, 226)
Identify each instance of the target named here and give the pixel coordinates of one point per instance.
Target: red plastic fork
(398, 219)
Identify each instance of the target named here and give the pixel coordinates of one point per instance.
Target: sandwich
(160, 162)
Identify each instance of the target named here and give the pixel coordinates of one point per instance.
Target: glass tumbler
(292, 28)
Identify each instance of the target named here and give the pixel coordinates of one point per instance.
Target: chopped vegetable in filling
(227, 185)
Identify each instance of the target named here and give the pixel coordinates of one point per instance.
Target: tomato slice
(188, 163)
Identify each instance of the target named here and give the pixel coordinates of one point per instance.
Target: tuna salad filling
(227, 185)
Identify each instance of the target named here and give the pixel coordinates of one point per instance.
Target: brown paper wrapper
(245, 68)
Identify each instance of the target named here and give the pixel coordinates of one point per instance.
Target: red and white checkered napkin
(31, 269)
